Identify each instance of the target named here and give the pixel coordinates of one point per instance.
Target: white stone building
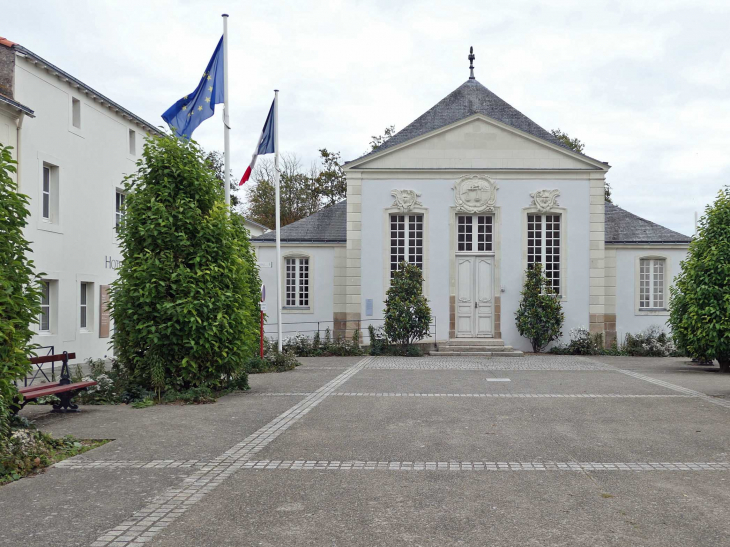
(473, 191)
(73, 146)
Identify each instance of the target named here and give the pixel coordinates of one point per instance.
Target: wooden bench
(64, 389)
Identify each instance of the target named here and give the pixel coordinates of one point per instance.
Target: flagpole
(226, 128)
(278, 216)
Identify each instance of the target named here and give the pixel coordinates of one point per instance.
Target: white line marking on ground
(518, 395)
(498, 380)
(689, 392)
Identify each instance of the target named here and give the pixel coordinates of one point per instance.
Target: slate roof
(469, 98)
(330, 226)
(625, 227)
(326, 226)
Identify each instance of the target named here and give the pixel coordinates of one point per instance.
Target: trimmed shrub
(700, 298)
(539, 317)
(185, 302)
(407, 314)
(19, 290)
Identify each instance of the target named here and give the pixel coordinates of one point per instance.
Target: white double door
(474, 296)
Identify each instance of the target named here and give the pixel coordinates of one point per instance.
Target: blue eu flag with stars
(188, 113)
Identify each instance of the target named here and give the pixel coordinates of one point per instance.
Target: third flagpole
(226, 118)
(278, 216)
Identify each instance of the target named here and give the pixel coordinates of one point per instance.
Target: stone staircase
(476, 347)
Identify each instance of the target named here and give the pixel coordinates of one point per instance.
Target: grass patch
(29, 451)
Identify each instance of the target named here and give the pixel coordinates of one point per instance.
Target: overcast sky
(645, 85)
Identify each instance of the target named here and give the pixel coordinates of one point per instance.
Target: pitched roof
(326, 226)
(469, 98)
(625, 227)
(16, 105)
(75, 82)
(330, 226)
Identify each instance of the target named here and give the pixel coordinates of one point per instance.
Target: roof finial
(471, 62)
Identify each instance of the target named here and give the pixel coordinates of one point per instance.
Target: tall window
(46, 193)
(44, 320)
(651, 283)
(132, 142)
(82, 305)
(119, 212)
(406, 241)
(543, 246)
(465, 227)
(297, 283)
(76, 113)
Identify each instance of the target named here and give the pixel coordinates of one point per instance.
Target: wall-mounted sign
(266, 264)
(112, 263)
(104, 315)
(263, 306)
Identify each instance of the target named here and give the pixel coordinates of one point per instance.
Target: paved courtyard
(540, 450)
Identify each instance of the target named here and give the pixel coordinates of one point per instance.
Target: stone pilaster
(609, 315)
(597, 253)
(348, 298)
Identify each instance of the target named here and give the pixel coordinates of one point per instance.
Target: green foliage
(539, 317)
(380, 345)
(574, 144)
(652, 342)
(303, 192)
(185, 302)
(19, 289)
(700, 298)
(378, 140)
(302, 346)
(273, 360)
(26, 450)
(216, 163)
(407, 314)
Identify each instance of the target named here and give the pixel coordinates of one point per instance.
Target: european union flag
(189, 112)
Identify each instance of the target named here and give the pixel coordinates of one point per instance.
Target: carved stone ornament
(406, 200)
(545, 200)
(475, 194)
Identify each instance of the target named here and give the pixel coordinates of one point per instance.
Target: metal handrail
(319, 329)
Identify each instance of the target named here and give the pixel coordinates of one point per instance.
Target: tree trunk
(724, 361)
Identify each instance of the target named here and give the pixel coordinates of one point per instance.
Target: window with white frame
(44, 319)
(543, 246)
(297, 283)
(83, 299)
(75, 112)
(651, 283)
(466, 225)
(406, 241)
(119, 209)
(46, 193)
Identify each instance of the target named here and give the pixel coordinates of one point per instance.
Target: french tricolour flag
(266, 143)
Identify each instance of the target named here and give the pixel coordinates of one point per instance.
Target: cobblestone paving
(556, 363)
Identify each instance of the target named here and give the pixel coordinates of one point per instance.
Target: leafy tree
(216, 162)
(539, 317)
(574, 144)
(302, 193)
(407, 314)
(19, 288)
(700, 298)
(378, 140)
(578, 146)
(184, 304)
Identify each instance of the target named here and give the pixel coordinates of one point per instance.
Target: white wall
(321, 295)
(92, 162)
(628, 318)
(513, 195)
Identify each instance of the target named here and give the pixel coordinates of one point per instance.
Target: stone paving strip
(492, 363)
(689, 392)
(135, 464)
(520, 395)
(485, 466)
(146, 523)
(273, 394)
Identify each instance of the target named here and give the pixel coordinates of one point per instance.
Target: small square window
(75, 112)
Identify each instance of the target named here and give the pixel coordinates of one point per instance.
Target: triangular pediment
(477, 142)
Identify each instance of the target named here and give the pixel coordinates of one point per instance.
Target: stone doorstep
(467, 348)
(449, 353)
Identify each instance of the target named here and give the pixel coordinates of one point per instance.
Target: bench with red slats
(64, 389)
